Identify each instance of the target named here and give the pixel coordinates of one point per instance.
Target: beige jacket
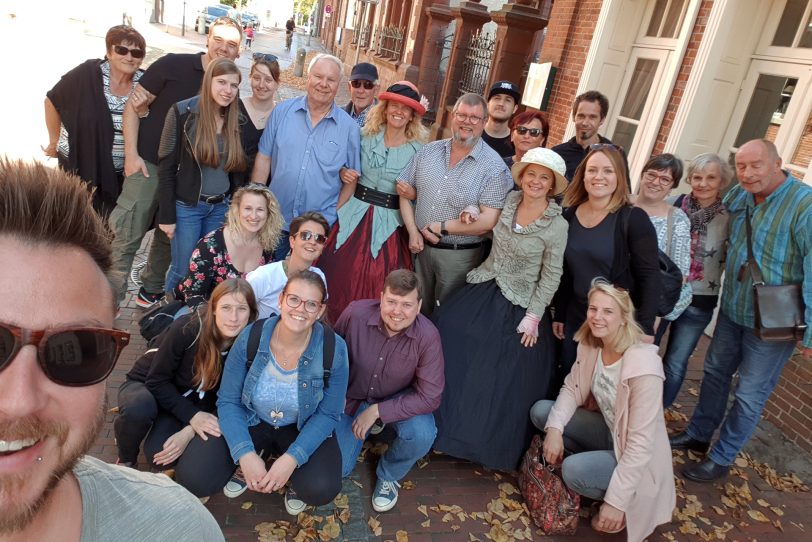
(643, 482)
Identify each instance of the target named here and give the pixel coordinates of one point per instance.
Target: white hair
(324, 56)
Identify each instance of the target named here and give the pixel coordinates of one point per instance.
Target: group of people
(482, 287)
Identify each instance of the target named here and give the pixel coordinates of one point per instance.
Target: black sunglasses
(121, 50)
(307, 235)
(266, 56)
(71, 356)
(357, 83)
(535, 132)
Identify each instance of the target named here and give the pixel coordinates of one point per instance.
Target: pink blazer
(643, 482)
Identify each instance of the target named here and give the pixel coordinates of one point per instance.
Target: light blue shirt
(305, 161)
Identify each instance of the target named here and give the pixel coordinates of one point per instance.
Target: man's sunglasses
(534, 132)
(121, 50)
(307, 235)
(357, 83)
(71, 356)
(266, 56)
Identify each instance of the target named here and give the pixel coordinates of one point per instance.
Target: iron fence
(390, 42)
(477, 64)
(361, 38)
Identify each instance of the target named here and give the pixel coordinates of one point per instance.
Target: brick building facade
(682, 76)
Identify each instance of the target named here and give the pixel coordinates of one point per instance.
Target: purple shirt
(403, 374)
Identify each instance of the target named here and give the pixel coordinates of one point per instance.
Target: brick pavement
(444, 482)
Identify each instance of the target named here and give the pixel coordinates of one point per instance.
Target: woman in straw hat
(497, 339)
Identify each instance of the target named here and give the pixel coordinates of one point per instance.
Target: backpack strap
(328, 352)
(669, 232)
(253, 341)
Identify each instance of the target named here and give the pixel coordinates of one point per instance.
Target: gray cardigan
(527, 264)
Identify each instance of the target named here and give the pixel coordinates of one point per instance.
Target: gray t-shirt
(214, 181)
(120, 504)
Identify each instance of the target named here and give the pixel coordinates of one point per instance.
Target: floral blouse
(209, 266)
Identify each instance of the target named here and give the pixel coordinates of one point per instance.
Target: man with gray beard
(460, 186)
(57, 347)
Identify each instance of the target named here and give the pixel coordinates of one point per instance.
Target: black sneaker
(146, 300)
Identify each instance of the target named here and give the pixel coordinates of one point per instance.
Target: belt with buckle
(455, 246)
(211, 200)
(376, 197)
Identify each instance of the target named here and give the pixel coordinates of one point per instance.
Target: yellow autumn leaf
(497, 534)
(741, 462)
(508, 488)
(455, 528)
(247, 505)
(407, 485)
(402, 536)
(341, 501)
(758, 516)
(718, 510)
(777, 511)
(375, 526)
(422, 509)
(762, 502)
(330, 531)
(426, 524)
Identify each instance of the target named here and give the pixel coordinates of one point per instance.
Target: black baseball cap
(364, 71)
(505, 87)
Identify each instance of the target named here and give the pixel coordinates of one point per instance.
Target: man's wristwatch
(443, 231)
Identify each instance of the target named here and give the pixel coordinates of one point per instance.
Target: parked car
(210, 13)
(249, 18)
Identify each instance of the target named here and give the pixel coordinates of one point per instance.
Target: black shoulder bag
(779, 310)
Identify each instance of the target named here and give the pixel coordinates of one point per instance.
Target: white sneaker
(293, 504)
(236, 486)
(385, 496)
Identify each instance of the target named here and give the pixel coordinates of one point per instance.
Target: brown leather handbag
(553, 507)
(779, 310)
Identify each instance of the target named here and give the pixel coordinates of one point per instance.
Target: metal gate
(477, 64)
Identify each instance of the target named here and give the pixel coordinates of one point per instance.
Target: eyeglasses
(601, 146)
(121, 50)
(72, 356)
(266, 56)
(358, 83)
(293, 301)
(473, 119)
(307, 235)
(652, 176)
(534, 132)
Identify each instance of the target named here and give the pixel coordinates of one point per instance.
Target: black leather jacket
(179, 175)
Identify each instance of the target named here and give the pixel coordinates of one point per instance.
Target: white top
(604, 388)
(268, 281)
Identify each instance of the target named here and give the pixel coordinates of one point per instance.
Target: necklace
(288, 358)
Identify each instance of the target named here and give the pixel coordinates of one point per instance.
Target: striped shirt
(782, 246)
(481, 178)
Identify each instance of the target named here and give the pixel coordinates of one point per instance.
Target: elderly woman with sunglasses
(243, 244)
(369, 232)
(257, 107)
(83, 114)
(285, 403)
(308, 233)
(607, 238)
(529, 130)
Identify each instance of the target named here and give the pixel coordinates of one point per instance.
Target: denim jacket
(319, 408)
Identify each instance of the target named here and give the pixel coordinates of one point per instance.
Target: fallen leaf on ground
(777, 511)
(758, 516)
(508, 488)
(359, 484)
(426, 524)
(408, 484)
(422, 509)
(402, 536)
(762, 502)
(341, 501)
(247, 505)
(375, 526)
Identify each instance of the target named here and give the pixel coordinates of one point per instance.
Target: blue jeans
(414, 439)
(759, 364)
(589, 468)
(192, 222)
(685, 333)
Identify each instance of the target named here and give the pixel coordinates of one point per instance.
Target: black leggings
(140, 419)
(209, 465)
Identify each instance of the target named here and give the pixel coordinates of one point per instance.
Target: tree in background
(302, 10)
